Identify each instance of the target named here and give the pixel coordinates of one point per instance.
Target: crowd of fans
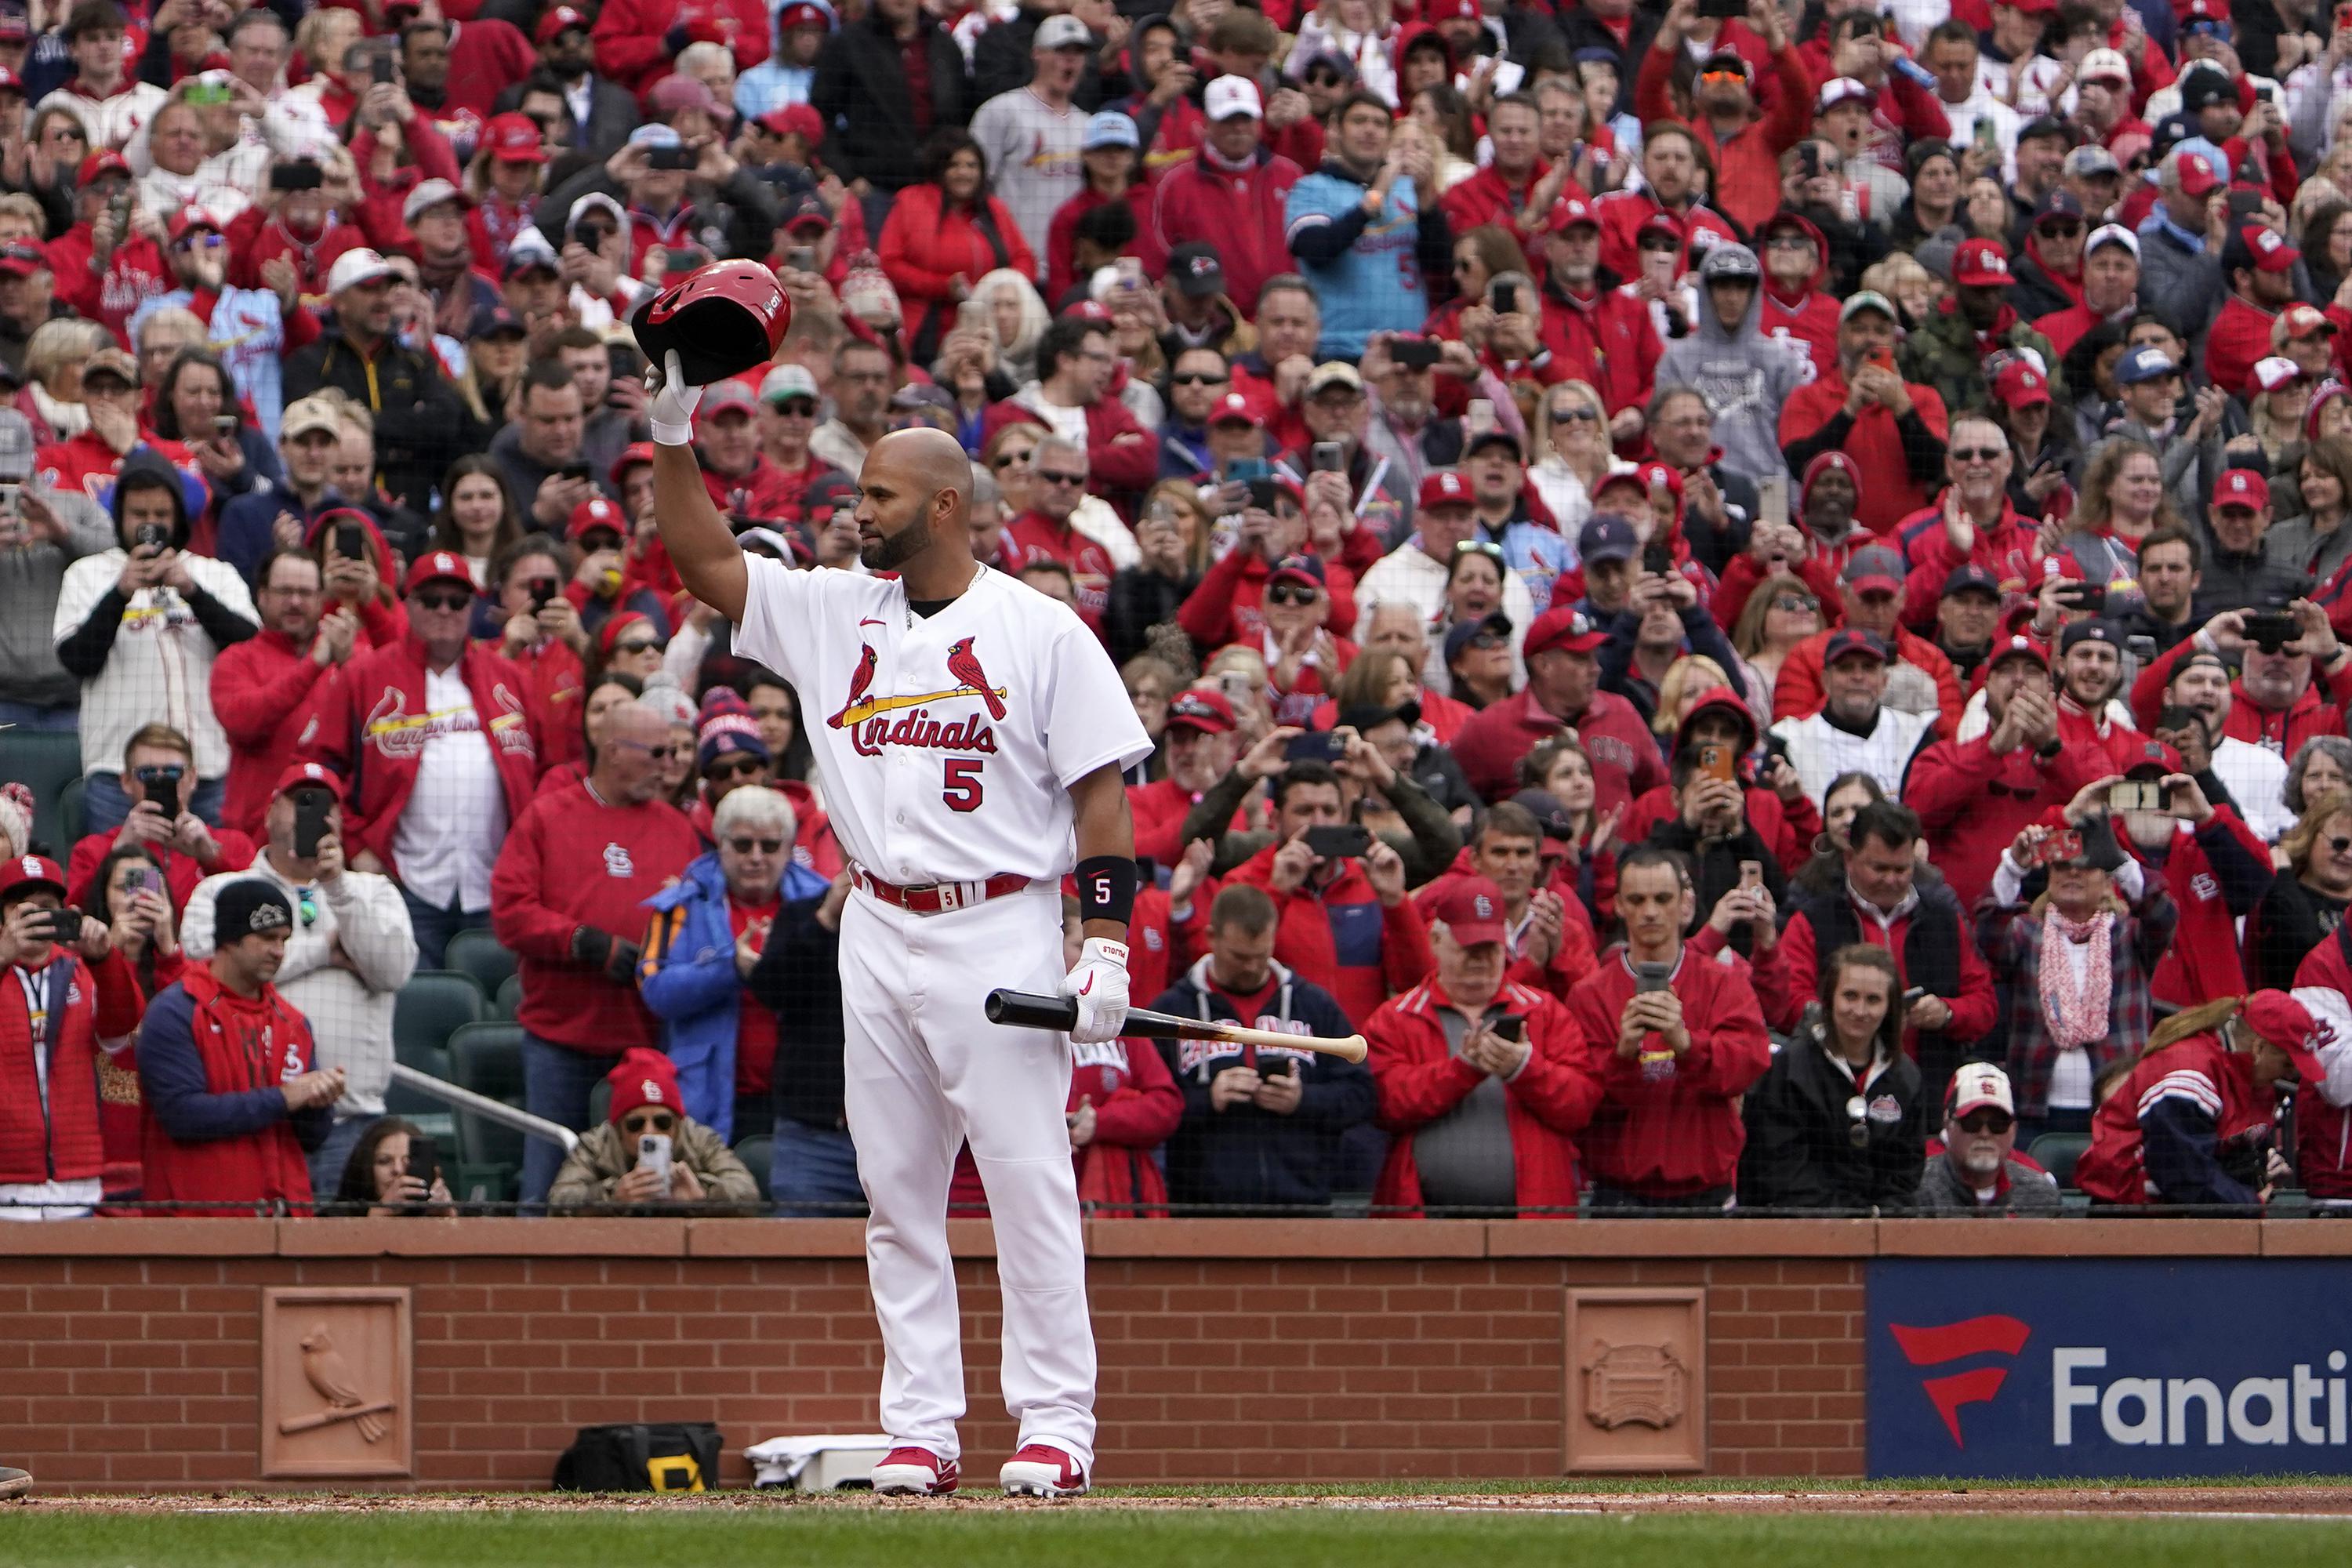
(1758, 599)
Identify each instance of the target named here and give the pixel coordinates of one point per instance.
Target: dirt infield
(2284, 1501)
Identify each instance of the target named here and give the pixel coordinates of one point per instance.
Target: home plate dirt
(2270, 1502)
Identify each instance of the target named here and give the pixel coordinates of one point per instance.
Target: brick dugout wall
(1259, 1351)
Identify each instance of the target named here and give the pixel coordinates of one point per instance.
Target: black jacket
(1714, 865)
(860, 89)
(420, 425)
(798, 978)
(612, 115)
(1141, 599)
(1800, 1152)
(738, 219)
(1001, 62)
(1244, 1156)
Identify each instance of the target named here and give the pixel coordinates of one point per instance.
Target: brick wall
(1262, 1351)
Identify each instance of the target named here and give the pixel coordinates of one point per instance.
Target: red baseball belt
(938, 898)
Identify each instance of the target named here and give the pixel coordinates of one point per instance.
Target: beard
(894, 550)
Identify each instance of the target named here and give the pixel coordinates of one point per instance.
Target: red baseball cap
(636, 452)
(31, 870)
(310, 775)
(609, 638)
(514, 138)
(1471, 909)
(1437, 11)
(1202, 708)
(1443, 487)
(2288, 1024)
(2269, 253)
(2197, 175)
(799, 13)
(1570, 211)
(1233, 409)
(2241, 488)
(102, 162)
(22, 258)
(1981, 264)
(187, 219)
(1562, 628)
(794, 119)
(2020, 386)
(555, 23)
(593, 512)
(433, 567)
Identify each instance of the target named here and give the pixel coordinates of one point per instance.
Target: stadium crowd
(1756, 594)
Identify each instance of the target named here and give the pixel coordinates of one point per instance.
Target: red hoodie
(2006, 549)
(1608, 341)
(1875, 443)
(1419, 1080)
(1972, 803)
(927, 245)
(262, 692)
(1669, 1126)
(2319, 710)
(1486, 197)
(1340, 937)
(1806, 315)
(1789, 830)
(2322, 1132)
(1747, 162)
(1240, 211)
(1228, 605)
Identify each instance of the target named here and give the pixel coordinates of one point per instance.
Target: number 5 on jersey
(960, 786)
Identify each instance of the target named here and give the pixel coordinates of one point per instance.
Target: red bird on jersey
(859, 680)
(964, 665)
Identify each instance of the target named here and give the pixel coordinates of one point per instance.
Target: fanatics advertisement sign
(2055, 1367)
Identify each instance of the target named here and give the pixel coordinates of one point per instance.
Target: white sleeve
(86, 582)
(2007, 881)
(2129, 881)
(777, 604)
(1089, 720)
(196, 919)
(2334, 1014)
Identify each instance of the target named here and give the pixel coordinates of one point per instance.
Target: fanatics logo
(1946, 1342)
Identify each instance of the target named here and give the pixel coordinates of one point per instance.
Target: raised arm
(708, 559)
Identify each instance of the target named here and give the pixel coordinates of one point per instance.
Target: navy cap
(1608, 537)
(1457, 636)
(1852, 639)
(1968, 576)
(2091, 629)
(2145, 363)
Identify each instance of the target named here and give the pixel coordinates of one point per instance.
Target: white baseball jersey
(947, 743)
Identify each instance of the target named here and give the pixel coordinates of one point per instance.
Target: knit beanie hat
(643, 1076)
(727, 725)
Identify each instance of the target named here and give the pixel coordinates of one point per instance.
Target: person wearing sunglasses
(1838, 1123)
(730, 754)
(1047, 531)
(1977, 1171)
(648, 1154)
(712, 928)
(1726, 101)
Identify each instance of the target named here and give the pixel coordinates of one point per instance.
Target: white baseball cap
(1231, 95)
(430, 193)
(1976, 1085)
(1063, 32)
(2104, 65)
(2112, 233)
(356, 267)
(787, 381)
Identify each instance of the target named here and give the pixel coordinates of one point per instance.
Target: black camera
(1416, 353)
(150, 536)
(2270, 630)
(299, 175)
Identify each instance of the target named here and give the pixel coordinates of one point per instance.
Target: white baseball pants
(925, 1072)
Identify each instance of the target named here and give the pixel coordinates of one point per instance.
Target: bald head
(916, 492)
(626, 769)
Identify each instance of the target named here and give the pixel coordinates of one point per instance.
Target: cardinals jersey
(948, 743)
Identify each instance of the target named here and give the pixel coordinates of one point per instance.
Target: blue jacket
(688, 980)
(248, 522)
(1244, 1155)
(1370, 273)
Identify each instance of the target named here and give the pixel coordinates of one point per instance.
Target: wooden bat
(1027, 1010)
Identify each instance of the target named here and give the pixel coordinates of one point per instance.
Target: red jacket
(1974, 1010)
(926, 245)
(572, 861)
(1972, 803)
(2239, 337)
(262, 693)
(1798, 692)
(1419, 1080)
(2199, 1080)
(2319, 710)
(1571, 963)
(1137, 1105)
(1341, 938)
(2006, 549)
(181, 872)
(2322, 1132)
(1061, 233)
(371, 729)
(95, 1012)
(1238, 211)
(1033, 536)
(1120, 455)
(1747, 163)
(135, 270)
(1608, 341)
(813, 846)
(766, 494)
(1228, 605)
(86, 464)
(1625, 753)
(631, 35)
(1623, 214)
(1486, 197)
(1889, 493)
(552, 676)
(1159, 809)
(2203, 963)
(247, 1151)
(1669, 1126)
(255, 236)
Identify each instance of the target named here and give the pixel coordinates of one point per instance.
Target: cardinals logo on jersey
(870, 731)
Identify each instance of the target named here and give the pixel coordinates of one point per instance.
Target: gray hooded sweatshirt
(30, 575)
(1745, 377)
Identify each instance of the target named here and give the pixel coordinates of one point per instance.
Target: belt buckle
(951, 896)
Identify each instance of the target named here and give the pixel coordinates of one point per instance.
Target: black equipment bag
(641, 1456)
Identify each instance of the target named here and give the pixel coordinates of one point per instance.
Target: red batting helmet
(722, 320)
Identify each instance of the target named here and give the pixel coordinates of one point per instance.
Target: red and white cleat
(1040, 1470)
(914, 1472)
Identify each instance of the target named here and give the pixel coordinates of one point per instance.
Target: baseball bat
(1027, 1010)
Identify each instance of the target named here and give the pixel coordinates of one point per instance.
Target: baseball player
(970, 733)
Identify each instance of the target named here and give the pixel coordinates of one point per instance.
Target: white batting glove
(670, 414)
(1098, 984)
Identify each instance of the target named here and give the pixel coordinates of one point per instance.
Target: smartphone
(2053, 847)
(669, 158)
(1507, 298)
(1809, 159)
(1416, 353)
(146, 880)
(653, 1148)
(1276, 1066)
(803, 258)
(2261, 93)
(2269, 630)
(1480, 416)
(1328, 458)
(2141, 647)
(1511, 1026)
(1652, 978)
(2091, 596)
(1657, 558)
(575, 471)
(379, 68)
(1338, 840)
(1727, 9)
(1880, 358)
(299, 175)
(542, 593)
(971, 316)
(1241, 470)
(1716, 762)
(1912, 995)
(1262, 493)
(424, 1157)
(224, 424)
(682, 259)
(1772, 498)
(151, 536)
(1316, 746)
(2245, 203)
(310, 809)
(2176, 719)
(2135, 794)
(62, 924)
(166, 794)
(1751, 873)
(1129, 271)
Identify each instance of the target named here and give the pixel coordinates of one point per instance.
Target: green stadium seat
(508, 1000)
(487, 1057)
(433, 1005)
(44, 761)
(478, 953)
(2057, 1152)
(73, 813)
(757, 1152)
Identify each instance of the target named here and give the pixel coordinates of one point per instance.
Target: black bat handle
(1027, 1010)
